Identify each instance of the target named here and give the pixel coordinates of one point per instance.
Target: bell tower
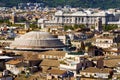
(98, 25)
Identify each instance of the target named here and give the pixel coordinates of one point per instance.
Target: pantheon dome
(36, 40)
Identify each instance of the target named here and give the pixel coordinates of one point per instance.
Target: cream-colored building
(14, 66)
(86, 17)
(52, 55)
(106, 40)
(104, 73)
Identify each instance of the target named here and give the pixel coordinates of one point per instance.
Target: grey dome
(36, 40)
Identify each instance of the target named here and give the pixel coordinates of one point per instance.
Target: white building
(104, 73)
(86, 17)
(106, 40)
(71, 65)
(14, 66)
(75, 64)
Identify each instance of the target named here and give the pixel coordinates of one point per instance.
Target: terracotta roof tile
(97, 70)
(49, 62)
(111, 62)
(57, 71)
(54, 53)
(13, 62)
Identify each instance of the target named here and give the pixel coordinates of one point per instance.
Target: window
(106, 41)
(82, 19)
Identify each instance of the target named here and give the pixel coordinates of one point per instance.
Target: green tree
(74, 3)
(109, 27)
(68, 27)
(34, 26)
(76, 26)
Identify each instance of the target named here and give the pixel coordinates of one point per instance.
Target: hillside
(74, 3)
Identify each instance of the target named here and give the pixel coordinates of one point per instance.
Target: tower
(98, 25)
(13, 18)
(26, 26)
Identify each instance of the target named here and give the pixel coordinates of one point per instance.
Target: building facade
(85, 17)
(106, 40)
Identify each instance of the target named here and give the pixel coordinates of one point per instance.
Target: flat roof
(5, 57)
